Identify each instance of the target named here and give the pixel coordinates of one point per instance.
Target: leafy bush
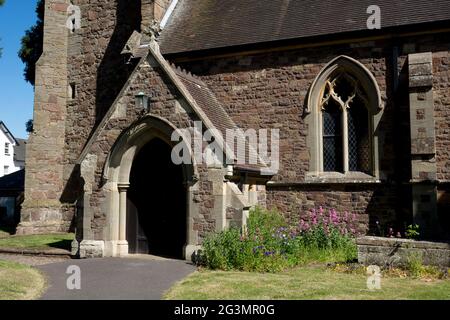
(412, 232)
(415, 265)
(269, 244)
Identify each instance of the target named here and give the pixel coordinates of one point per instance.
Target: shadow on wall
(112, 75)
(389, 207)
(113, 71)
(444, 212)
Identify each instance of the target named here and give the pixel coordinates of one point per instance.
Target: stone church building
(363, 115)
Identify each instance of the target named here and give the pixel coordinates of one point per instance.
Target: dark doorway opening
(157, 221)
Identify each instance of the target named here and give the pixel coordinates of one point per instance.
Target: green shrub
(268, 244)
(412, 232)
(414, 264)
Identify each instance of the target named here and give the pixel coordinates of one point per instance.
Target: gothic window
(345, 126)
(332, 138)
(343, 112)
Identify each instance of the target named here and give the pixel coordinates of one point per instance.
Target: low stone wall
(396, 252)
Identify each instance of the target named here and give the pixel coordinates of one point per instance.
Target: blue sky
(16, 95)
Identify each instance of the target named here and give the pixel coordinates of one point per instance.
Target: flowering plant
(269, 243)
(345, 224)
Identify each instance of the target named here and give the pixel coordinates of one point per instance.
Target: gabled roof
(220, 119)
(208, 24)
(206, 101)
(8, 133)
(199, 97)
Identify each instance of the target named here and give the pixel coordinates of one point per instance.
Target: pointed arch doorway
(157, 203)
(149, 201)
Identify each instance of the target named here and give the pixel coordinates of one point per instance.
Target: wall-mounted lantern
(142, 101)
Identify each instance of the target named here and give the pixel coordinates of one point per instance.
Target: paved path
(134, 278)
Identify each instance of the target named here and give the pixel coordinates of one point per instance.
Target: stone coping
(405, 243)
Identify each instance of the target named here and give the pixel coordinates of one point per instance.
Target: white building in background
(12, 152)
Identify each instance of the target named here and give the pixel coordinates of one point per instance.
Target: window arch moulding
(344, 84)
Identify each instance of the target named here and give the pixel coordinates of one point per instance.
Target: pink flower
(346, 216)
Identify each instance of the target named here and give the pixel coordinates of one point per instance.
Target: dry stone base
(397, 252)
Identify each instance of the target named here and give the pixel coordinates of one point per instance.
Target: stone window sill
(337, 177)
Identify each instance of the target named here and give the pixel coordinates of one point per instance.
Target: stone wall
(42, 211)
(259, 90)
(385, 252)
(79, 76)
(96, 68)
(164, 102)
(371, 203)
(269, 90)
(441, 89)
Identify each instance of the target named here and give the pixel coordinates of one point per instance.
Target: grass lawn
(60, 241)
(19, 282)
(305, 283)
(4, 234)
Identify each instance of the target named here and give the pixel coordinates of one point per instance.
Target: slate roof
(215, 112)
(20, 149)
(207, 102)
(213, 109)
(207, 24)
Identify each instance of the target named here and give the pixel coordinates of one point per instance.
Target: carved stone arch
(353, 67)
(133, 139)
(117, 180)
(313, 118)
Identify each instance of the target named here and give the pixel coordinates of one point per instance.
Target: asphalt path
(143, 278)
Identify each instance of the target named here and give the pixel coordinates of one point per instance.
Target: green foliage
(412, 232)
(32, 44)
(269, 245)
(415, 264)
(416, 268)
(29, 125)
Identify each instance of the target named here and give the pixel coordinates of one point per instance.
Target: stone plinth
(396, 252)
